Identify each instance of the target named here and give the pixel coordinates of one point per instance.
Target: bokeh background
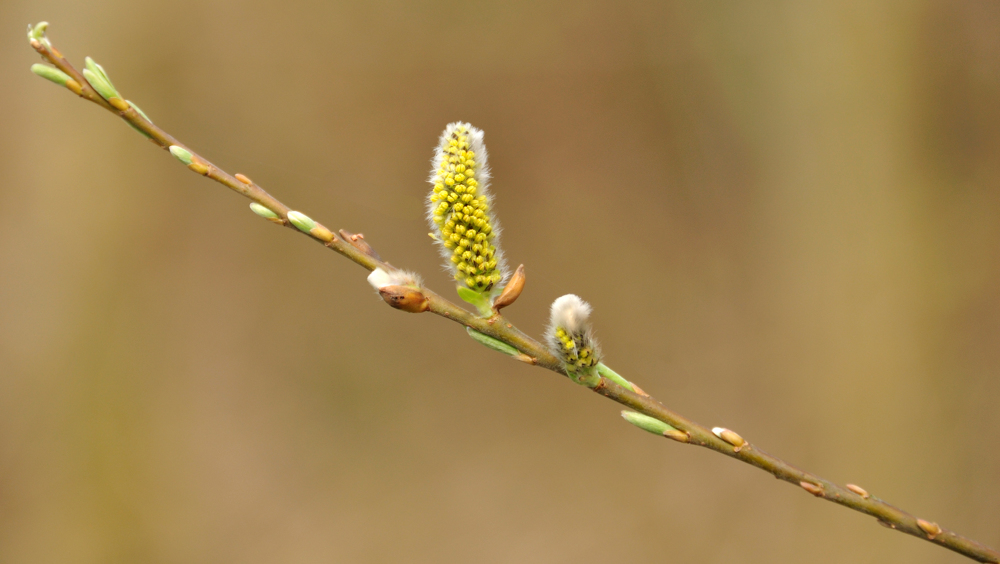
(785, 214)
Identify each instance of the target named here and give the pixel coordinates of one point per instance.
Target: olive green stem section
(611, 384)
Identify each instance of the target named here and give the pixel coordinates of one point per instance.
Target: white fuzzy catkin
(570, 336)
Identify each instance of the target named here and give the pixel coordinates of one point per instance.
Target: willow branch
(528, 349)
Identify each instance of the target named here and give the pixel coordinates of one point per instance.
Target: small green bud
(37, 31)
(647, 423)
(100, 85)
(262, 211)
(490, 342)
(51, 73)
(615, 377)
(182, 154)
(302, 221)
(98, 70)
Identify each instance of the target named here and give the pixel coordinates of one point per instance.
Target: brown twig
(720, 440)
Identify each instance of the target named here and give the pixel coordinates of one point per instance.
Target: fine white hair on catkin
(569, 312)
(380, 278)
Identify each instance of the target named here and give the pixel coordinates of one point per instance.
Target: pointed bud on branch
(812, 488)
(181, 154)
(404, 298)
(932, 529)
(730, 437)
(51, 73)
(302, 221)
(490, 342)
(859, 490)
(647, 423)
(262, 211)
(95, 75)
(511, 291)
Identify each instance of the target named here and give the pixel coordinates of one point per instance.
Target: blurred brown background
(785, 214)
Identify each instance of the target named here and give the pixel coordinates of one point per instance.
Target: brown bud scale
(859, 490)
(932, 529)
(511, 291)
(812, 488)
(242, 178)
(677, 435)
(732, 438)
(200, 168)
(119, 104)
(404, 298)
(322, 233)
(358, 242)
(74, 87)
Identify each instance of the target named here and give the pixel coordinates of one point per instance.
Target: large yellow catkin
(459, 210)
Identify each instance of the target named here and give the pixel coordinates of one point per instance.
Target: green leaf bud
(37, 31)
(100, 85)
(647, 423)
(51, 73)
(97, 69)
(262, 211)
(302, 221)
(490, 342)
(182, 154)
